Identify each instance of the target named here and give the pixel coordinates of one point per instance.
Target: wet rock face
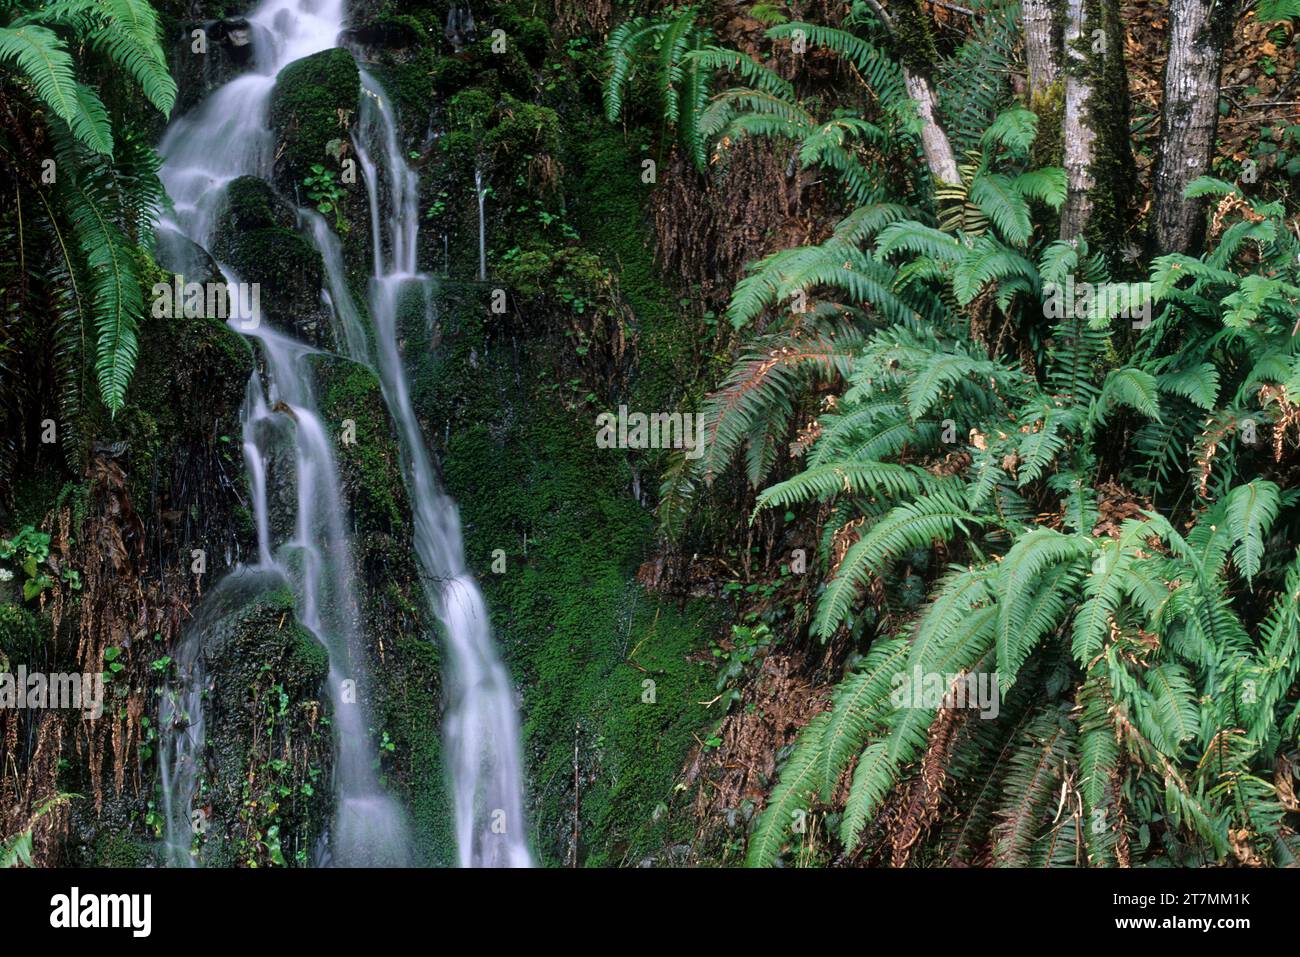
(265, 795)
(460, 30)
(313, 109)
(257, 238)
(208, 53)
(393, 36)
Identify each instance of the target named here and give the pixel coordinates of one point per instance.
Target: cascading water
(226, 137)
(482, 730)
(481, 193)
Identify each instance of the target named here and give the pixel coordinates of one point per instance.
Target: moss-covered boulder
(314, 104)
(286, 267)
(269, 747)
(251, 204)
(352, 404)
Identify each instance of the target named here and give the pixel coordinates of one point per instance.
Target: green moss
(183, 404)
(1049, 106)
(404, 659)
(609, 212)
(371, 466)
(269, 740)
(912, 37)
(581, 637)
(530, 34)
(407, 693)
(288, 271)
(310, 94)
(20, 635)
(469, 110)
(523, 129)
(1113, 167)
(33, 496)
(114, 849)
(252, 204)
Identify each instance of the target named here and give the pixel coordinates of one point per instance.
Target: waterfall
(225, 137)
(228, 136)
(482, 728)
(482, 225)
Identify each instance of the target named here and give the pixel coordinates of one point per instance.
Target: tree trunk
(1042, 45)
(1097, 156)
(934, 141)
(910, 29)
(1078, 134)
(1198, 33)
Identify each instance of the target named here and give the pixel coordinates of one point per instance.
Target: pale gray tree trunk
(1097, 156)
(1079, 137)
(939, 155)
(1042, 35)
(1198, 33)
(934, 141)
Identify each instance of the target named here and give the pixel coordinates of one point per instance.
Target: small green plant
(439, 206)
(154, 819)
(746, 644)
(324, 191)
(28, 550)
(111, 656)
(769, 13)
(148, 738)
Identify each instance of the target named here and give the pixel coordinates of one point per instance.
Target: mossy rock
(370, 466)
(269, 743)
(289, 273)
(387, 33)
(20, 635)
(408, 696)
(530, 34)
(509, 131)
(314, 102)
(115, 849)
(251, 204)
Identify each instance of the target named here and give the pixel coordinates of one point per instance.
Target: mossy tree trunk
(914, 43)
(939, 156)
(1043, 44)
(1198, 33)
(1095, 129)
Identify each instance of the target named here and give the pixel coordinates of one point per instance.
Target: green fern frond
(86, 193)
(1252, 509)
(1005, 207)
(791, 796)
(1022, 580)
(918, 524)
(46, 64)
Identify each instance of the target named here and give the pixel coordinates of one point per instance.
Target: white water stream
(228, 136)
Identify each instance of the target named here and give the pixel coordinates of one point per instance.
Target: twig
(952, 6)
